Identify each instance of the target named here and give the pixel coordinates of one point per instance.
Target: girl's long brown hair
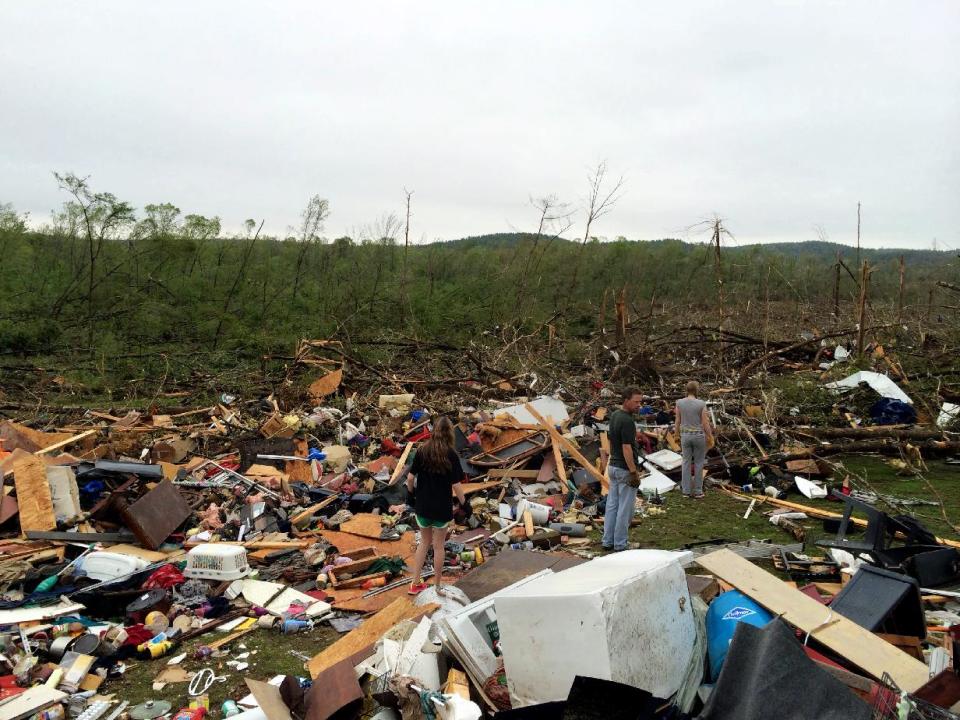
(435, 452)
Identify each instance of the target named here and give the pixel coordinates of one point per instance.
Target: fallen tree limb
(896, 432)
(883, 447)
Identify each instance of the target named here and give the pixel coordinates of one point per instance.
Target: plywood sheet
(346, 543)
(357, 644)
(365, 524)
(33, 494)
(858, 645)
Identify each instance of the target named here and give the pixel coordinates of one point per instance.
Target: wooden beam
(68, 441)
(507, 472)
(858, 645)
(566, 444)
(395, 476)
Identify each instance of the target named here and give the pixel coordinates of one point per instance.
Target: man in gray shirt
(623, 472)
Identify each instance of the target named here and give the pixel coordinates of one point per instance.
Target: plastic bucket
(540, 513)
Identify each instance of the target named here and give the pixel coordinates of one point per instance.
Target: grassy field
(720, 516)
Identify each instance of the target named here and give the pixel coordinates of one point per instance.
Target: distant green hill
(810, 249)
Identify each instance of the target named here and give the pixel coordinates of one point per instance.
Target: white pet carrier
(213, 561)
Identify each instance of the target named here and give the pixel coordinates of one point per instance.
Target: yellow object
(478, 556)
(55, 677)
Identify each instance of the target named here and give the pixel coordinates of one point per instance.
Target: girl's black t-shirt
(434, 500)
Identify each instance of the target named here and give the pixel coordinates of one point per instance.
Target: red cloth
(165, 578)
(137, 635)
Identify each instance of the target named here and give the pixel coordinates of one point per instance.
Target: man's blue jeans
(621, 504)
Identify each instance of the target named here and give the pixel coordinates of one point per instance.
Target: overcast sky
(777, 116)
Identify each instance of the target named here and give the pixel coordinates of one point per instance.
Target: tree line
(105, 280)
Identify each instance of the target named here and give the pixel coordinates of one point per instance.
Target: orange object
(375, 582)
(3, 453)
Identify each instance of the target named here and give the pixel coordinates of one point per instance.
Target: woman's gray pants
(694, 449)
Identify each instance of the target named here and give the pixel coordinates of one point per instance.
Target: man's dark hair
(629, 393)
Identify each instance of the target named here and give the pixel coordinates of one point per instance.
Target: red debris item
(391, 448)
(422, 435)
(137, 635)
(164, 578)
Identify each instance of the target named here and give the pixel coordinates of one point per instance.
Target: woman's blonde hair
(692, 387)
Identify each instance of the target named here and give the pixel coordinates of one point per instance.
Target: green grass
(720, 516)
(273, 657)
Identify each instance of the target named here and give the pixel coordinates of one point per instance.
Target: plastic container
(725, 612)
(213, 561)
(539, 513)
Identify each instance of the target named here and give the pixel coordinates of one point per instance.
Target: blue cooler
(724, 613)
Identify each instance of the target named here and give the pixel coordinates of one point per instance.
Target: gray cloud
(779, 116)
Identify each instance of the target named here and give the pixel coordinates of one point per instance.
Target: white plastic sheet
(881, 384)
(547, 406)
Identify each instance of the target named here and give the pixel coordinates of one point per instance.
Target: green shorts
(427, 523)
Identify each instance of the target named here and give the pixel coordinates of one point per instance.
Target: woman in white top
(695, 432)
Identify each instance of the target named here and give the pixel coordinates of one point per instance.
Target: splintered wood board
(858, 645)
(358, 644)
(33, 494)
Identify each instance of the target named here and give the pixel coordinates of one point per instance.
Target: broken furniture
(929, 563)
(882, 601)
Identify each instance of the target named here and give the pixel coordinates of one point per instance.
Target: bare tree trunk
(602, 320)
(598, 205)
(236, 282)
(404, 292)
(900, 292)
(836, 289)
(858, 233)
(621, 316)
(862, 308)
(717, 231)
(766, 311)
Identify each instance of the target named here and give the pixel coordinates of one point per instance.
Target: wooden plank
(68, 441)
(566, 444)
(401, 463)
(364, 524)
(357, 644)
(843, 636)
(507, 472)
(33, 494)
(470, 488)
(358, 582)
(558, 462)
(230, 638)
(313, 509)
